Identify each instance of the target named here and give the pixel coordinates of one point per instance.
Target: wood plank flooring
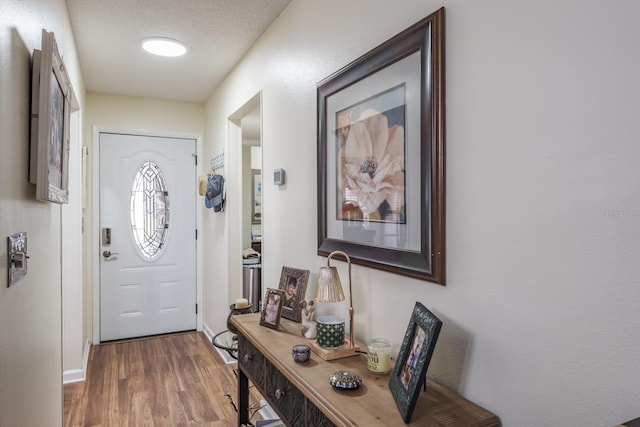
(171, 380)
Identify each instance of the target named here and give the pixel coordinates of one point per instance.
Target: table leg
(243, 399)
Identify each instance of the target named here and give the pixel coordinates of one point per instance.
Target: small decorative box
(301, 352)
(345, 379)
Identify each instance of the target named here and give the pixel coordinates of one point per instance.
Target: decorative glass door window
(149, 210)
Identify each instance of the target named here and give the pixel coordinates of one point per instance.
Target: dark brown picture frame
(272, 308)
(417, 52)
(410, 371)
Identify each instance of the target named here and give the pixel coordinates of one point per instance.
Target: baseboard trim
(73, 376)
(77, 375)
(226, 357)
(266, 412)
(208, 332)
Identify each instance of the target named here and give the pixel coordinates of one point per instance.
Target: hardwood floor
(171, 380)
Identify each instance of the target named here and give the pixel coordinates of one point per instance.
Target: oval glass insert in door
(149, 210)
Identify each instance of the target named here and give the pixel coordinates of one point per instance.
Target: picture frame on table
(51, 101)
(381, 195)
(410, 371)
(294, 284)
(272, 308)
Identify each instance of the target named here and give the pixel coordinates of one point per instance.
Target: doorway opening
(252, 208)
(246, 227)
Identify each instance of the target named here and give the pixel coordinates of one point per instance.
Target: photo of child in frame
(418, 344)
(409, 367)
(293, 283)
(272, 309)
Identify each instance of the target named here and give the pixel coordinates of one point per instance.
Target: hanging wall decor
(50, 114)
(381, 155)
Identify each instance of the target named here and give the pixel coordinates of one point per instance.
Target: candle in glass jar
(379, 356)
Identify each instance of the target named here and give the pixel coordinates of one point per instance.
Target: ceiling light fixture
(163, 46)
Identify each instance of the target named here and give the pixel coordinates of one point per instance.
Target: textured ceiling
(217, 33)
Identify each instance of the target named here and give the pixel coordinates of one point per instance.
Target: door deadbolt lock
(106, 236)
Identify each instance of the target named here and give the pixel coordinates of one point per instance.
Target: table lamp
(330, 290)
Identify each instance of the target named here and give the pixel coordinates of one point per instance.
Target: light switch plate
(16, 257)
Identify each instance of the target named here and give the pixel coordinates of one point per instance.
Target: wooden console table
(301, 394)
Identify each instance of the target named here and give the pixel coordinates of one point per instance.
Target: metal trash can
(252, 285)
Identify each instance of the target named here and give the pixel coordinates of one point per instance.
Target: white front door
(148, 235)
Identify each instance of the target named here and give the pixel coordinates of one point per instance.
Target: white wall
(30, 310)
(540, 308)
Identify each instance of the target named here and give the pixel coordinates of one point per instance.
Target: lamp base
(335, 353)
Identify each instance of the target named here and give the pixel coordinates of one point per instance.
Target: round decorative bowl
(301, 352)
(345, 379)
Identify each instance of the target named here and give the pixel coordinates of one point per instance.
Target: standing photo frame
(294, 284)
(381, 155)
(272, 308)
(410, 371)
(50, 115)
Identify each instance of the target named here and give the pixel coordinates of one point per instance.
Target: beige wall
(540, 308)
(30, 310)
(148, 114)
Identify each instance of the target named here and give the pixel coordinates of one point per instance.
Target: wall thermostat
(278, 176)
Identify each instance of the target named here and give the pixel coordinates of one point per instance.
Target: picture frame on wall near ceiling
(50, 114)
(381, 195)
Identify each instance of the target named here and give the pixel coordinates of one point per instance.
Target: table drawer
(287, 399)
(315, 417)
(252, 361)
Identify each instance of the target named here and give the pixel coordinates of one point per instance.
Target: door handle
(107, 254)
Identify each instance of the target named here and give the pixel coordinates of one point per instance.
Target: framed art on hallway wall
(50, 115)
(381, 155)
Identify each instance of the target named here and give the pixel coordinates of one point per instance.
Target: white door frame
(95, 243)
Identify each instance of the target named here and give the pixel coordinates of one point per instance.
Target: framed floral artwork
(381, 155)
